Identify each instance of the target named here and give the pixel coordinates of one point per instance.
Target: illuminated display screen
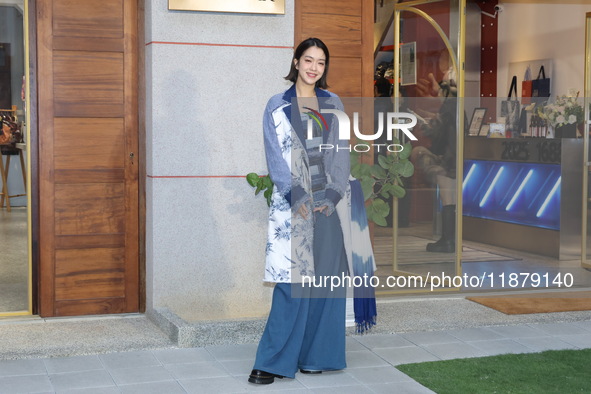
(521, 193)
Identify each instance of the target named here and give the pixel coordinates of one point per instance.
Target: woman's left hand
(322, 209)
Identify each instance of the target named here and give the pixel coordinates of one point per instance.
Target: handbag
(541, 86)
(526, 87)
(10, 134)
(511, 109)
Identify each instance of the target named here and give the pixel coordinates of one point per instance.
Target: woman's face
(311, 65)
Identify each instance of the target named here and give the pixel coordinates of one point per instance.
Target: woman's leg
(323, 347)
(281, 342)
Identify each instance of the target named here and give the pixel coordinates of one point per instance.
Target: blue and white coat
(290, 240)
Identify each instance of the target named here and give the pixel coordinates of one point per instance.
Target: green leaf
(252, 178)
(405, 154)
(367, 187)
(380, 207)
(267, 182)
(365, 170)
(406, 169)
(383, 161)
(397, 191)
(378, 172)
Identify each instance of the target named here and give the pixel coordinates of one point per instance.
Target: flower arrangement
(565, 110)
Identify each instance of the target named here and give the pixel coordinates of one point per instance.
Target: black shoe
(262, 377)
(307, 371)
(442, 246)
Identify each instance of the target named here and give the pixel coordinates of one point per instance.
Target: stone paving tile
(580, 341)
(358, 389)
(364, 358)
(383, 341)
(405, 355)
(224, 384)
(97, 390)
(238, 367)
(518, 331)
(153, 373)
(197, 370)
(449, 351)
(383, 374)
(22, 367)
(128, 359)
(400, 387)
(233, 352)
(81, 380)
(327, 379)
(185, 355)
(73, 364)
(568, 328)
(474, 334)
(169, 387)
(25, 384)
(352, 344)
(500, 346)
(429, 337)
(545, 343)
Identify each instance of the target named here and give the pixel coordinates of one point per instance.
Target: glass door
(429, 66)
(15, 228)
(586, 223)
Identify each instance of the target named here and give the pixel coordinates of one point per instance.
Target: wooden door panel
(348, 83)
(95, 148)
(84, 273)
(344, 29)
(91, 19)
(88, 127)
(88, 84)
(89, 208)
(346, 26)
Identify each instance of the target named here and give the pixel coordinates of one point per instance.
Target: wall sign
(241, 6)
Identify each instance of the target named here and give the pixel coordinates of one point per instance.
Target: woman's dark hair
(304, 45)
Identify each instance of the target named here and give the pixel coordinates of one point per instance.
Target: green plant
(261, 182)
(382, 180)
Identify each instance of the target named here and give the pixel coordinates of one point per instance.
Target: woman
(306, 326)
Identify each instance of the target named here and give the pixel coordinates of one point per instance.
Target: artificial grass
(554, 371)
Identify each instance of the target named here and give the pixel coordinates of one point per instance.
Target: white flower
(560, 119)
(572, 119)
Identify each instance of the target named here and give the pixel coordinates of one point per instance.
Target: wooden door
(87, 53)
(346, 27)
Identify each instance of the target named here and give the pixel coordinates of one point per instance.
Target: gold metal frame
(586, 163)
(28, 82)
(458, 59)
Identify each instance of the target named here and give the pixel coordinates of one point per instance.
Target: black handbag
(540, 87)
(511, 109)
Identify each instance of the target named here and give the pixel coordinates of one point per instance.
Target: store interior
(14, 259)
(518, 163)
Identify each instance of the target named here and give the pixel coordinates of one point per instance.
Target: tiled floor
(371, 359)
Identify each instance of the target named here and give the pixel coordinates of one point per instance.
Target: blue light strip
(491, 187)
(529, 174)
(470, 172)
(549, 197)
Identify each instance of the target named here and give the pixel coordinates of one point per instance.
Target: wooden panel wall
(346, 27)
(88, 156)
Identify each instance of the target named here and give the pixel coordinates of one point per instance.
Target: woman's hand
(322, 209)
(303, 211)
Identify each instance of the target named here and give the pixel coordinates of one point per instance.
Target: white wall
(208, 78)
(543, 31)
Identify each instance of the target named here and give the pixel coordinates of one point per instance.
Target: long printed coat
(289, 251)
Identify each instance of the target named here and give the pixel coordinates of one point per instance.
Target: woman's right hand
(303, 211)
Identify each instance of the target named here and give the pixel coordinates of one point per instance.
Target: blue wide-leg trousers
(308, 332)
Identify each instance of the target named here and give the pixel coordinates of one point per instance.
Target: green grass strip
(554, 371)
